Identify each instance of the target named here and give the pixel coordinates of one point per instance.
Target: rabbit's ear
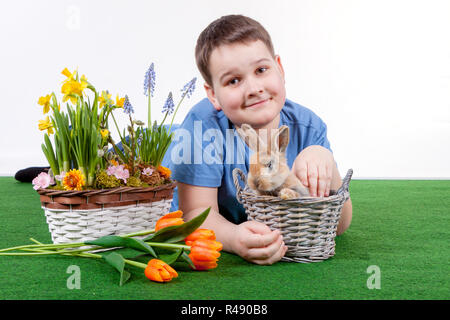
(249, 135)
(280, 139)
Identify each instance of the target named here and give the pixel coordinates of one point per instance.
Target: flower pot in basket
(79, 216)
(308, 225)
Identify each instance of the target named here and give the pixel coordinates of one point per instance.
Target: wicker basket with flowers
(96, 187)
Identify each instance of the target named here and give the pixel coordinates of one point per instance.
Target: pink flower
(111, 170)
(147, 171)
(60, 177)
(121, 173)
(43, 180)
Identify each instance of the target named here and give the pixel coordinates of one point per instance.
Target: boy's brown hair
(227, 30)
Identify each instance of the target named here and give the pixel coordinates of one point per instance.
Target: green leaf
(169, 256)
(178, 233)
(184, 256)
(118, 262)
(116, 241)
(129, 253)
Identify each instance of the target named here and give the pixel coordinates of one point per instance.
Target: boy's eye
(233, 81)
(261, 70)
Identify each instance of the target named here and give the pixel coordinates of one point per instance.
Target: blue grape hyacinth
(150, 80)
(127, 107)
(189, 88)
(169, 105)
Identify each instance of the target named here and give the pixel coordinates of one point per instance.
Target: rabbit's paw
(287, 193)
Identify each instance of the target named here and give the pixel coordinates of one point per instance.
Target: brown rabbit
(269, 173)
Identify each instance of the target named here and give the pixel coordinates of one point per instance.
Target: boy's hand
(255, 242)
(314, 167)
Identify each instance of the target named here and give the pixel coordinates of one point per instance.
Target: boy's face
(247, 84)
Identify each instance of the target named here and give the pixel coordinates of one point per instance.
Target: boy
(244, 83)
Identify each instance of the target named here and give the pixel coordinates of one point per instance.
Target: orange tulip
(158, 270)
(170, 219)
(203, 265)
(200, 234)
(207, 244)
(173, 214)
(204, 253)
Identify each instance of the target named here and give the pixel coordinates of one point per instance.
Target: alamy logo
(374, 280)
(210, 147)
(74, 280)
(73, 18)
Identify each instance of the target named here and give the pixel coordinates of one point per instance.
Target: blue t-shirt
(206, 148)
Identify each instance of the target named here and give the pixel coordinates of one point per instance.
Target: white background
(377, 72)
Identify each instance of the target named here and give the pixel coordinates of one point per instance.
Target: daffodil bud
(126, 148)
(50, 173)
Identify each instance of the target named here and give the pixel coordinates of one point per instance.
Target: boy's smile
(248, 84)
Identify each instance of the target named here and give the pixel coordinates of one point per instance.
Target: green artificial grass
(400, 226)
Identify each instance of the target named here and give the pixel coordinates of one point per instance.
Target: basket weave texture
(79, 216)
(308, 224)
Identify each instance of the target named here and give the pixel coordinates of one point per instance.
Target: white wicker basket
(81, 216)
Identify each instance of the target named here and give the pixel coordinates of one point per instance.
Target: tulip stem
(40, 245)
(140, 233)
(45, 246)
(135, 263)
(79, 253)
(169, 245)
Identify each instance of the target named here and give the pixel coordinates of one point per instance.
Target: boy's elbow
(346, 218)
(342, 228)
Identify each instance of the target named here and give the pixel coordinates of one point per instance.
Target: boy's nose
(254, 87)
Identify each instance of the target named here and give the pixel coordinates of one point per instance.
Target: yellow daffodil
(66, 89)
(68, 74)
(71, 89)
(104, 99)
(84, 79)
(104, 133)
(120, 101)
(45, 102)
(46, 125)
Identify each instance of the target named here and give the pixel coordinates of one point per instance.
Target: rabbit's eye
(269, 165)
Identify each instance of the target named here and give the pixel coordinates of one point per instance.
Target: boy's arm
(251, 240)
(347, 209)
(193, 200)
(317, 170)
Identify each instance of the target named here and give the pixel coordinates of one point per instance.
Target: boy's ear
(212, 96)
(279, 64)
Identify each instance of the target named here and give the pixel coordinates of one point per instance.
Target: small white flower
(147, 171)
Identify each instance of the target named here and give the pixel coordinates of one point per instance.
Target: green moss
(56, 187)
(104, 181)
(134, 182)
